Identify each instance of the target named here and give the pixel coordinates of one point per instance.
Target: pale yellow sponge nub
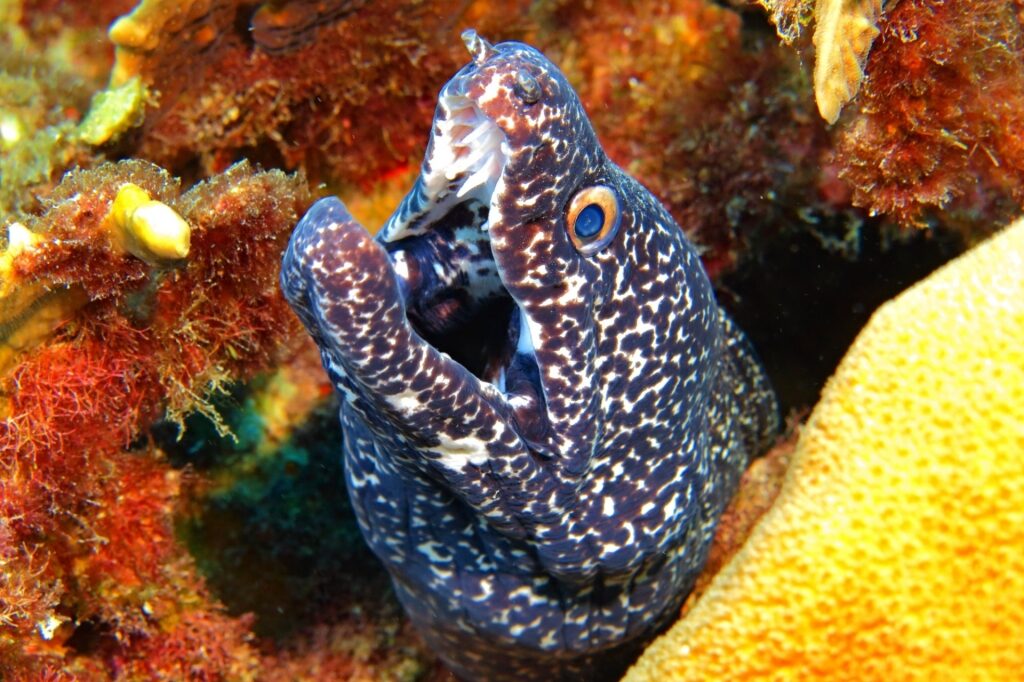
(148, 229)
(895, 550)
(19, 240)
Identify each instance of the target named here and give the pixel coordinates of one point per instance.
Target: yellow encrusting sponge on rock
(895, 550)
(146, 228)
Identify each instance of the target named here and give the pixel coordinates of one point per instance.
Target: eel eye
(527, 86)
(593, 218)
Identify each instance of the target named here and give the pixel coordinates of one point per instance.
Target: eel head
(510, 242)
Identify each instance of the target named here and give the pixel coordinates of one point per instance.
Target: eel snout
(342, 283)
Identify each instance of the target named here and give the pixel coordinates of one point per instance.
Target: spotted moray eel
(544, 409)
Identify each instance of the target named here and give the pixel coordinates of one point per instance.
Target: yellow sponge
(895, 550)
(148, 229)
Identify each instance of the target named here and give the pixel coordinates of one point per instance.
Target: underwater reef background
(172, 504)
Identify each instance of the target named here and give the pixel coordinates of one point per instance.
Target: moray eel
(544, 409)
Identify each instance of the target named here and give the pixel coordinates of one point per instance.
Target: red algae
(358, 648)
(95, 580)
(670, 95)
(940, 114)
(198, 645)
(342, 92)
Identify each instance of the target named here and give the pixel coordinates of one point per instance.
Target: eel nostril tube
(478, 48)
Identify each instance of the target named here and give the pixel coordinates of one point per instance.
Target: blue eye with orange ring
(593, 218)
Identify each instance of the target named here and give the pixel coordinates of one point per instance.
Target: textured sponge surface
(895, 550)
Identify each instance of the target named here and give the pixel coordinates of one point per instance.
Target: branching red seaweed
(95, 581)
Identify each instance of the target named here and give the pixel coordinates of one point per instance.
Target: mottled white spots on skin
(486, 589)
(609, 548)
(522, 402)
(368, 478)
(519, 629)
(442, 575)
(524, 592)
(456, 453)
(630, 533)
(400, 265)
(434, 551)
(406, 402)
(554, 372)
(494, 215)
(608, 506)
(493, 90)
(550, 640)
(672, 506)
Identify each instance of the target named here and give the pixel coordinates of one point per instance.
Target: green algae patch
(113, 112)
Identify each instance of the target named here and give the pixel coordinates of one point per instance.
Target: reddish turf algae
(938, 124)
(94, 582)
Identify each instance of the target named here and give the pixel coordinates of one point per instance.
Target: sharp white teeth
(453, 171)
(476, 156)
(462, 117)
(475, 180)
(467, 152)
(483, 131)
(454, 102)
(487, 175)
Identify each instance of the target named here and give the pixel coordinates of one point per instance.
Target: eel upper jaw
(465, 162)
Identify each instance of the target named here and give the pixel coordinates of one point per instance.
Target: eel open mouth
(439, 245)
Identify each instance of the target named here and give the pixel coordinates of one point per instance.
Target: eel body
(544, 409)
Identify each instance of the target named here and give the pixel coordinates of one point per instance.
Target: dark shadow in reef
(275, 535)
(809, 293)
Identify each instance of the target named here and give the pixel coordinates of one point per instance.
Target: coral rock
(113, 111)
(894, 549)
